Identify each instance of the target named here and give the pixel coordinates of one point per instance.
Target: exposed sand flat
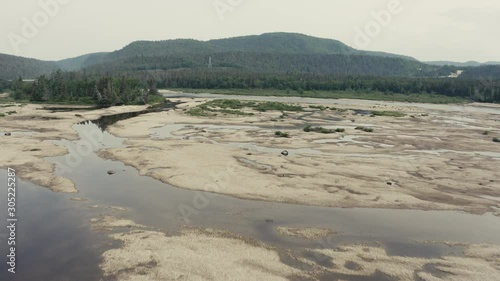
(308, 233)
(362, 261)
(32, 131)
(415, 162)
(151, 255)
(218, 255)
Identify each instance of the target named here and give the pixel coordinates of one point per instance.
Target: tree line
(471, 89)
(75, 87)
(139, 87)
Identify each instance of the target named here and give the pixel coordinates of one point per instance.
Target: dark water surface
(54, 240)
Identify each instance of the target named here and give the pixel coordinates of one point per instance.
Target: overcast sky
(457, 30)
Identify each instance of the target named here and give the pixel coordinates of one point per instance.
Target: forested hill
(273, 63)
(13, 67)
(266, 53)
(80, 62)
(274, 43)
(271, 53)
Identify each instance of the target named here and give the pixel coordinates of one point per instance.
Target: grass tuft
(365, 129)
(388, 113)
(281, 134)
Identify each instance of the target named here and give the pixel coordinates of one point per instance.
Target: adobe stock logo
(31, 26)
(222, 7)
(374, 28)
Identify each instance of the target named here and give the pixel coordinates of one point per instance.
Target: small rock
(111, 172)
(284, 153)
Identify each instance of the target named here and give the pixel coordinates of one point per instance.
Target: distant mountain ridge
(270, 52)
(80, 62)
(13, 67)
(277, 43)
(266, 53)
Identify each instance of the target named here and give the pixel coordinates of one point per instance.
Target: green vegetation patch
(320, 107)
(388, 113)
(210, 109)
(11, 112)
(270, 105)
(321, 130)
(282, 134)
(197, 111)
(365, 129)
(496, 139)
(229, 104)
(2, 115)
(235, 107)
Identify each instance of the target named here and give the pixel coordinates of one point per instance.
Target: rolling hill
(269, 53)
(13, 67)
(280, 53)
(80, 62)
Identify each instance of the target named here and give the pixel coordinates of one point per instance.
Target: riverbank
(32, 131)
(356, 95)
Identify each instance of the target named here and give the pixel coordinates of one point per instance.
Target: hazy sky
(458, 30)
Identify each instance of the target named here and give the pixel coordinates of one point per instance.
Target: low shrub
(365, 129)
(281, 134)
(388, 113)
(321, 130)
